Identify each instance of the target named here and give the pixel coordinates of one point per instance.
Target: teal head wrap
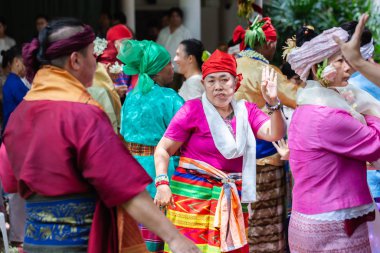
(144, 58)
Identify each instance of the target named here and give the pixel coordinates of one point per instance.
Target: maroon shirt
(59, 148)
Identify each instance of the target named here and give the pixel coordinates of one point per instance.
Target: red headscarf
(118, 32)
(238, 36)
(109, 54)
(269, 30)
(220, 62)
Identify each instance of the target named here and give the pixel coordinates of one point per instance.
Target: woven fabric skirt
(266, 226)
(313, 236)
(196, 197)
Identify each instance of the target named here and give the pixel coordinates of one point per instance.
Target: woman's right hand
(164, 196)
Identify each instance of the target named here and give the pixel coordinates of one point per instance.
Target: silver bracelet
(273, 108)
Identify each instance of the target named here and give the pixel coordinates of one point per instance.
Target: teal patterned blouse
(144, 119)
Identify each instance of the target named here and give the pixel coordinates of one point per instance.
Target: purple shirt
(190, 126)
(328, 154)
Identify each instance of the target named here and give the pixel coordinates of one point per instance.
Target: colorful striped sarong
(313, 236)
(196, 198)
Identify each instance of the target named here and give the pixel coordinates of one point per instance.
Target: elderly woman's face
(343, 71)
(220, 88)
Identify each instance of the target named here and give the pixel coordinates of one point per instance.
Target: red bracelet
(162, 182)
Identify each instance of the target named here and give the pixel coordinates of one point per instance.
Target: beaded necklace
(253, 55)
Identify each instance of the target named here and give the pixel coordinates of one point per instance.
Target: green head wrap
(144, 58)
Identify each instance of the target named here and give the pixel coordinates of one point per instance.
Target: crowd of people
(112, 144)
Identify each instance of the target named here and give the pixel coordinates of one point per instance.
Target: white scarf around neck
(243, 146)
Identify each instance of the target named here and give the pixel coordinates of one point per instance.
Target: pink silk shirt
(328, 153)
(190, 126)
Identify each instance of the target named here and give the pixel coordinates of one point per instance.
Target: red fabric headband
(219, 62)
(109, 54)
(118, 32)
(238, 36)
(269, 30)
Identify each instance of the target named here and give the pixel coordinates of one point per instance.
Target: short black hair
(177, 10)
(350, 28)
(304, 34)
(287, 70)
(194, 47)
(9, 55)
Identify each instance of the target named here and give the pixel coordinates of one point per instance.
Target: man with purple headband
(62, 155)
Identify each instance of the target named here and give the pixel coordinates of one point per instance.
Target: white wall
(129, 10)
(210, 25)
(192, 16)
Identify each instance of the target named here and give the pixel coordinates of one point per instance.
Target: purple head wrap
(55, 49)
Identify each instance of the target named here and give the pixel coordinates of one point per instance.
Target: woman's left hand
(269, 85)
(282, 148)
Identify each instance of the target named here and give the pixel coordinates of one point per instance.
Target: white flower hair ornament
(116, 68)
(99, 46)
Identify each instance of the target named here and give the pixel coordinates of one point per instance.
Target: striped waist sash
(58, 224)
(229, 214)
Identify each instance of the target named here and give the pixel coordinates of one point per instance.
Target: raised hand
(269, 85)
(282, 148)
(351, 49)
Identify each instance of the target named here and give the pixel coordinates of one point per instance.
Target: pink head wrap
(315, 51)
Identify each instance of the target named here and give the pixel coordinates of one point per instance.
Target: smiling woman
(189, 61)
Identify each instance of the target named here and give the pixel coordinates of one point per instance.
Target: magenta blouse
(190, 126)
(328, 153)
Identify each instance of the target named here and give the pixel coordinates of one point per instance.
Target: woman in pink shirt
(216, 135)
(329, 143)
